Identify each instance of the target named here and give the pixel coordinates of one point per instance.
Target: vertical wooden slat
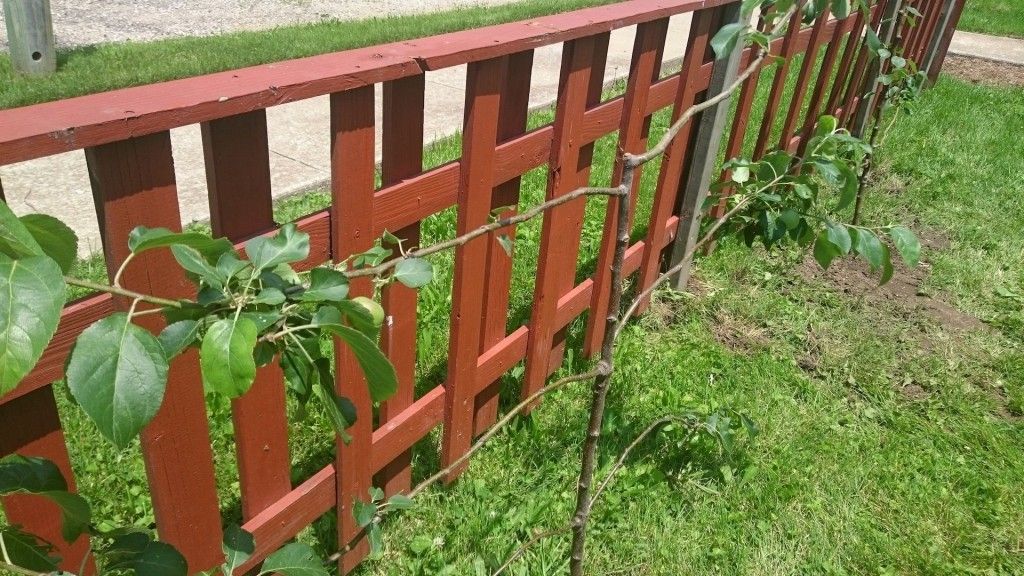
(704, 155)
(515, 105)
(32, 428)
(931, 29)
(579, 85)
(853, 43)
(738, 130)
(133, 184)
(871, 87)
(238, 178)
(634, 128)
(778, 85)
(402, 157)
(940, 44)
(855, 87)
(352, 187)
(824, 79)
(807, 68)
(484, 80)
(672, 162)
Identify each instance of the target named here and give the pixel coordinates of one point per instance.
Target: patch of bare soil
(985, 72)
(854, 277)
(737, 334)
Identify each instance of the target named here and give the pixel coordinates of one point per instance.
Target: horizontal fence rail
(126, 140)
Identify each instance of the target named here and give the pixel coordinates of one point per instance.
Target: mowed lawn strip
(102, 67)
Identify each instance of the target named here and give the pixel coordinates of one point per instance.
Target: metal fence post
(705, 152)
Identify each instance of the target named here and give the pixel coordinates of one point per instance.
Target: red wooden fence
(126, 141)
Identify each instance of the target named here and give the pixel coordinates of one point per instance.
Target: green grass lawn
(892, 439)
(90, 69)
(999, 17)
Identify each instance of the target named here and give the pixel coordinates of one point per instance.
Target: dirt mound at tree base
(854, 277)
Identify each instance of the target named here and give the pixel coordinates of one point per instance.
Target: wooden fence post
(30, 36)
(888, 30)
(705, 152)
(935, 55)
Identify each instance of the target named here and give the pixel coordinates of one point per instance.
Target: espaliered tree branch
(604, 368)
(539, 209)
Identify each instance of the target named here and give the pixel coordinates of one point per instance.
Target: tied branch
(602, 372)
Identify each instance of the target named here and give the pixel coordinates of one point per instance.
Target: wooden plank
(778, 85)
(515, 105)
(484, 81)
(702, 160)
(54, 127)
(586, 155)
(854, 86)
(853, 43)
(871, 88)
(32, 428)
(824, 80)
(402, 157)
(675, 157)
(133, 184)
(352, 186)
(940, 47)
(582, 70)
(634, 128)
(807, 68)
(238, 179)
(933, 28)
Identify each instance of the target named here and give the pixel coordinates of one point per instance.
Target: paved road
(80, 22)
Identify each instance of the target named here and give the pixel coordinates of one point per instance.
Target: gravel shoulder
(84, 22)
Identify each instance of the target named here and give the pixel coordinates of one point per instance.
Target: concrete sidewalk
(299, 142)
(997, 48)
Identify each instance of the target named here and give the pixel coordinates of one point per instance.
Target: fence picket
(671, 174)
(238, 178)
(32, 428)
(401, 157)
(579, 86)
(133, 184)
(484, 80)
(515, 105)
(809, 64)
(634, 128)
(778, 85)
(352, 187)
